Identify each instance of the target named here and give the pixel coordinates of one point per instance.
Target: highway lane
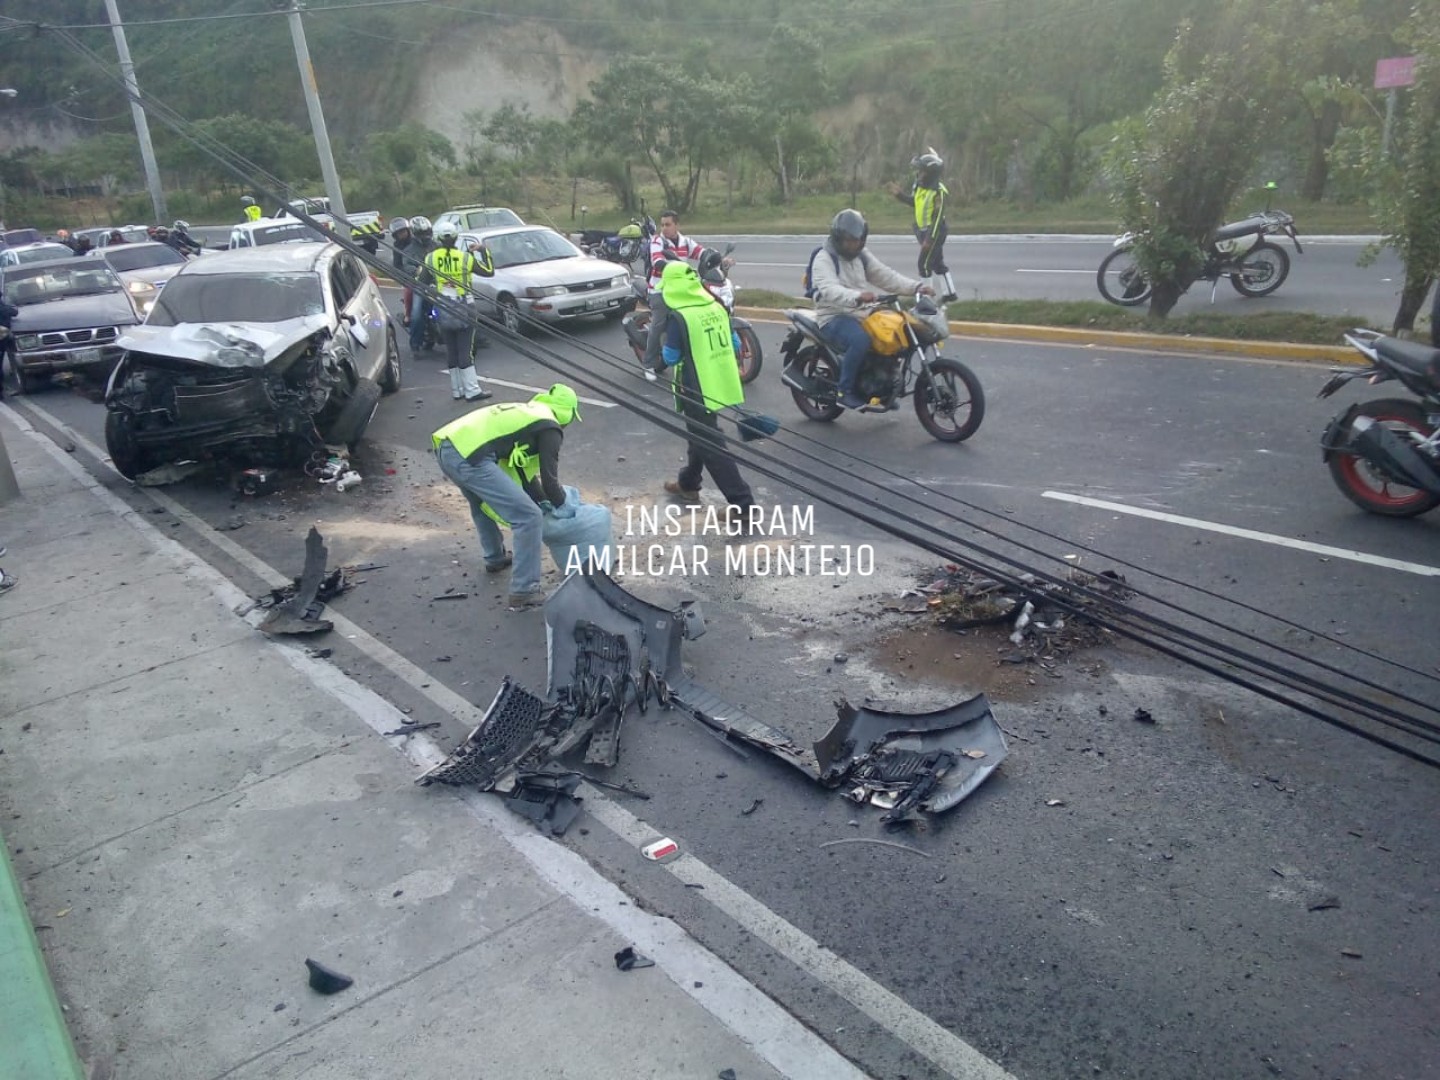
(1156, 923)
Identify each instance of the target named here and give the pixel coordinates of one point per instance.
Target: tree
(411, 151)
(1178, 168)
(1404, 185)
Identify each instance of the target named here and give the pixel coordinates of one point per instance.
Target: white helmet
(181, 226)
(447, 233)
(399, 225)
(421, 224)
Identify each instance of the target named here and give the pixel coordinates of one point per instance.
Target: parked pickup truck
(318, 207)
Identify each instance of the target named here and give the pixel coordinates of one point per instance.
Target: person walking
(927, 197)
(699, 349)
(449, 269)
(420, 242)
(505, 459)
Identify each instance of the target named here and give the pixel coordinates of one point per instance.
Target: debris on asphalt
(547, 799)
(1054, 802)
(300, 612)
(841, 658)
(1142, 716)
(753, 807)
(1327, 904)
(324, 980)
(319, 654)
(410, 727)
(873, 840)
(726, 1074)
(1354, 954)
(452, 596)
(660, 850)
(257, 481)
(169, 474)
(629, 958)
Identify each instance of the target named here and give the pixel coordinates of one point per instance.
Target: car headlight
(138, 287)
(616, 282)
(536, 293)
(27, 341)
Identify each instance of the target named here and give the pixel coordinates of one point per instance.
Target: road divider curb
(1065, 335)
(37, 1041)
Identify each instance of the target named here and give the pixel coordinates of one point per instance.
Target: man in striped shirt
(666, 245)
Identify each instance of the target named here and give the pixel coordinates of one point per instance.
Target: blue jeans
(847, 334)
(484, 482)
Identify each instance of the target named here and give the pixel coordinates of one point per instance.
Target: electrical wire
(1214, 657)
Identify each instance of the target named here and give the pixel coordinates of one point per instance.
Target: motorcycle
(1238, 251)
(949, 401)
(1384, 455)
(750, 356)
(629, 247)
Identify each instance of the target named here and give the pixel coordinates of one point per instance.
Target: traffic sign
(1396, 71)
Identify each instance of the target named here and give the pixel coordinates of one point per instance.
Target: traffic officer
(251, 210)
(927, 196)
(449, 269)
(700, 351)
(505, 459)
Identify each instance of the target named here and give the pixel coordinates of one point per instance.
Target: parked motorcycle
(1384, 455)
(1238, 251)
(629, 247)
(750, 356)
(949, 401)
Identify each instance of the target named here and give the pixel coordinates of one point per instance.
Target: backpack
(807, 283)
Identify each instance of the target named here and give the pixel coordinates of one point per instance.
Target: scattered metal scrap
(629, 958)
(1041, 615)
(296, 608)
(324, 980)
(609, 651)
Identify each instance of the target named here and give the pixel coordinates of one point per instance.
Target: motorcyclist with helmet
(419, 245)
(182, 241)
(927, 197)
(667, 245)
(841, 275)
(251, 209)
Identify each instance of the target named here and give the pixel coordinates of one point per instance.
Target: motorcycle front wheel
(814, 365)
(949, 401)
(750, 356)
(1369, 488)
(1120, 279)
(1262, 270)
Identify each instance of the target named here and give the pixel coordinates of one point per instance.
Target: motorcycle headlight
(536, 292)
(27, 341)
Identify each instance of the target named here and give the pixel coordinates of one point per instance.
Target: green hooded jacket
(711, 354)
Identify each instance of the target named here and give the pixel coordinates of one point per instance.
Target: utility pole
(142, 124)
(317, 119)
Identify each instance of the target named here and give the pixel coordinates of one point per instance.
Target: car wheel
(390, 375)
(510, 315)
(354, 418)
(125, 453)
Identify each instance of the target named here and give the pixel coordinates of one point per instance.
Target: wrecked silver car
(252, 358)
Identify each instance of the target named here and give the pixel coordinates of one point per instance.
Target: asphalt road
(1326, 279)
(1120, 899)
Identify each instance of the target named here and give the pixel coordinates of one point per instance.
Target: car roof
(114, 249)
(37, 244)
(294, 258)
(72, 263)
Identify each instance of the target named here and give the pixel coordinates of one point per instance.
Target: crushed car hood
(75, 312)
(229, 345)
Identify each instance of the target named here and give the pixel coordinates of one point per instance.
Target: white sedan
(541, 275)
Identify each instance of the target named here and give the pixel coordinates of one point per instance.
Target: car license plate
(86, 356)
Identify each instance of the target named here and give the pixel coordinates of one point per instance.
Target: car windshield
(142, 258)
(491, 219)
(255, 298)
(21, 236)
(283, 233)
(530, 246)
(43, 253)
(36, 286)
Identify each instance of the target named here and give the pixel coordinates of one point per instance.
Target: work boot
(684, 494)
(499, 564)
(457, 389)
(470, 384)
(519, 601)
(852, 400)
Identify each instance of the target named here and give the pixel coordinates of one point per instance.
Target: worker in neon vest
(505, 459)
(449, 269)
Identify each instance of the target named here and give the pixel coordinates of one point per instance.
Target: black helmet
(848, 233)
(928, 165)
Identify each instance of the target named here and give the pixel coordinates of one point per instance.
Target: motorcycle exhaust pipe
(1392, 455)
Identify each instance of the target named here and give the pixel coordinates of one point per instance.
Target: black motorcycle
(949, 401)
(750, 355)
(1238, 251)
(629, 247)
(1384, 455)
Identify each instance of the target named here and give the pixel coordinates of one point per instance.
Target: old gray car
(541, 275)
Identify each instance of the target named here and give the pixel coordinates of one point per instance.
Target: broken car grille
(511, 724)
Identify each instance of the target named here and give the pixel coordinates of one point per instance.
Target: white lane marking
(1251, 534)
(1022, 270)
(775, 1035)
(541, 389)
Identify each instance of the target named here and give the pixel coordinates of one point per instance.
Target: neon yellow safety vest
(253, 213)
(475, 429)
(712, 351)
(929, 207)
(452, 269)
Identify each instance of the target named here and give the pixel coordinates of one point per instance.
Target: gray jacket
(837, 291)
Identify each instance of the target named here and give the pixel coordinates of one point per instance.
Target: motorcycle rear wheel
(751, 356)
(1262, 270)
(951, 406)
(1120, 280)
(1369, 488)
(816, 364)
